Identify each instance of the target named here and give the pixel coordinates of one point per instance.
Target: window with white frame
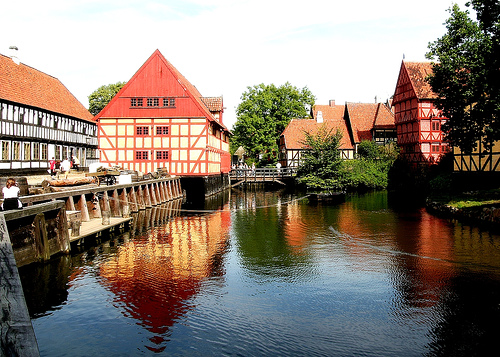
(16, 151)
(27, 152)
(5, 150)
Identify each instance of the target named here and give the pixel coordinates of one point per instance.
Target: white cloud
(348, 51)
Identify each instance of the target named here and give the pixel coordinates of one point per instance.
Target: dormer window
(136, 102)
(153, 102)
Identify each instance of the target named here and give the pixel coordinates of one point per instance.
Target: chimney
(332, 102)
(13, 54)
(319, 116)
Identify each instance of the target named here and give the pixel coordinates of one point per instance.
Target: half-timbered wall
(293, 157)
(478, 161)
(182, 146)
(30, 137)
(418, 124)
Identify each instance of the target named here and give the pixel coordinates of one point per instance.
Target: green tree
(369, 149)
(466, 75)
(320, 166)
(102, 96)
(263, 114)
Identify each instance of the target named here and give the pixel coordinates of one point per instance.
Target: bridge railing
(262, 173)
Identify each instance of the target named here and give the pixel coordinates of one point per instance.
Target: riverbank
(480, 208)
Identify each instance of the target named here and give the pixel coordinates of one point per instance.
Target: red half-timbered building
(160, 120)
(418, 121)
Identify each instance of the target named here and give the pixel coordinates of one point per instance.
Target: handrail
(264, 172)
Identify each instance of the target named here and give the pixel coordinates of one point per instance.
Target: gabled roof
(384, 118)
(27, 86)
(294, 133)
(418, 73)
(363, 117)
(157, 77)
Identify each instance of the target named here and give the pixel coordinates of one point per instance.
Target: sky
(348, 51)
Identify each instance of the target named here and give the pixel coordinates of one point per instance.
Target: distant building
(418, 121)
(355, 121)
(40, 119)
(370, 121)
(160, 120)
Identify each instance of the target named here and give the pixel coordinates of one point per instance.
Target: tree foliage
(466, 75)
(102, 96)
(263, 114)
(320, 164)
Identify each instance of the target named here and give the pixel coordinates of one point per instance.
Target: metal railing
(262, 174)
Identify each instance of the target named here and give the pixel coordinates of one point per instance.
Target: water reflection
(154, 276)
(266, 273)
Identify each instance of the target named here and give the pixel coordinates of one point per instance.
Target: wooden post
(41, 239)
(162, 192)
(152, 194)
(140, 197)
(115, 204)
(105, 202)
(180, 188)
(105, 209)
(158, 193)
(124, 205)
(132, 200)
(147, 197)
(17, 335)
(70, 204)
(82, 206)
(95, 207)
(62, 228)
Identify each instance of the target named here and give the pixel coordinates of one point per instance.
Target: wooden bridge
(261, 175)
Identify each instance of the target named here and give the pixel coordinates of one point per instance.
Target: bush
(362, 174)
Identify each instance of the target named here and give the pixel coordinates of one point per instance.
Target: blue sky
(343, 50)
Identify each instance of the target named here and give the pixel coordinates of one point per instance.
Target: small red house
(418, 121)
(160, 120)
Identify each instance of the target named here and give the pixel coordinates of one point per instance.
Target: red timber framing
(160, 120)
(418, 121)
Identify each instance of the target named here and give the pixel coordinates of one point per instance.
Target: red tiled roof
(25, 85)
(365, 116)
(332, 119)
(418, 72)
(214, 104)
(384, 119)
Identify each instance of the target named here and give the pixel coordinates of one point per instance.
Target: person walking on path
(11, 196)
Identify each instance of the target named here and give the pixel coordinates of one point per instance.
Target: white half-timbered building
(40, 119)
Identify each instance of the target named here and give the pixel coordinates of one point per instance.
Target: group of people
(11, 190)
(63, 167)
(243, 166)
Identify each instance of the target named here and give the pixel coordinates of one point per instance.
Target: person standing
(65, 166)
(11, 196)
(76, 163)
(52, 166)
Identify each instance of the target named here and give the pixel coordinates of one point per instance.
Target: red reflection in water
(154, 276)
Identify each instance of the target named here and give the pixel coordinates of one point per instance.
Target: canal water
(268, 274)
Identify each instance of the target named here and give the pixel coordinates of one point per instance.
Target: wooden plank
(17, 334)
(95, 226)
